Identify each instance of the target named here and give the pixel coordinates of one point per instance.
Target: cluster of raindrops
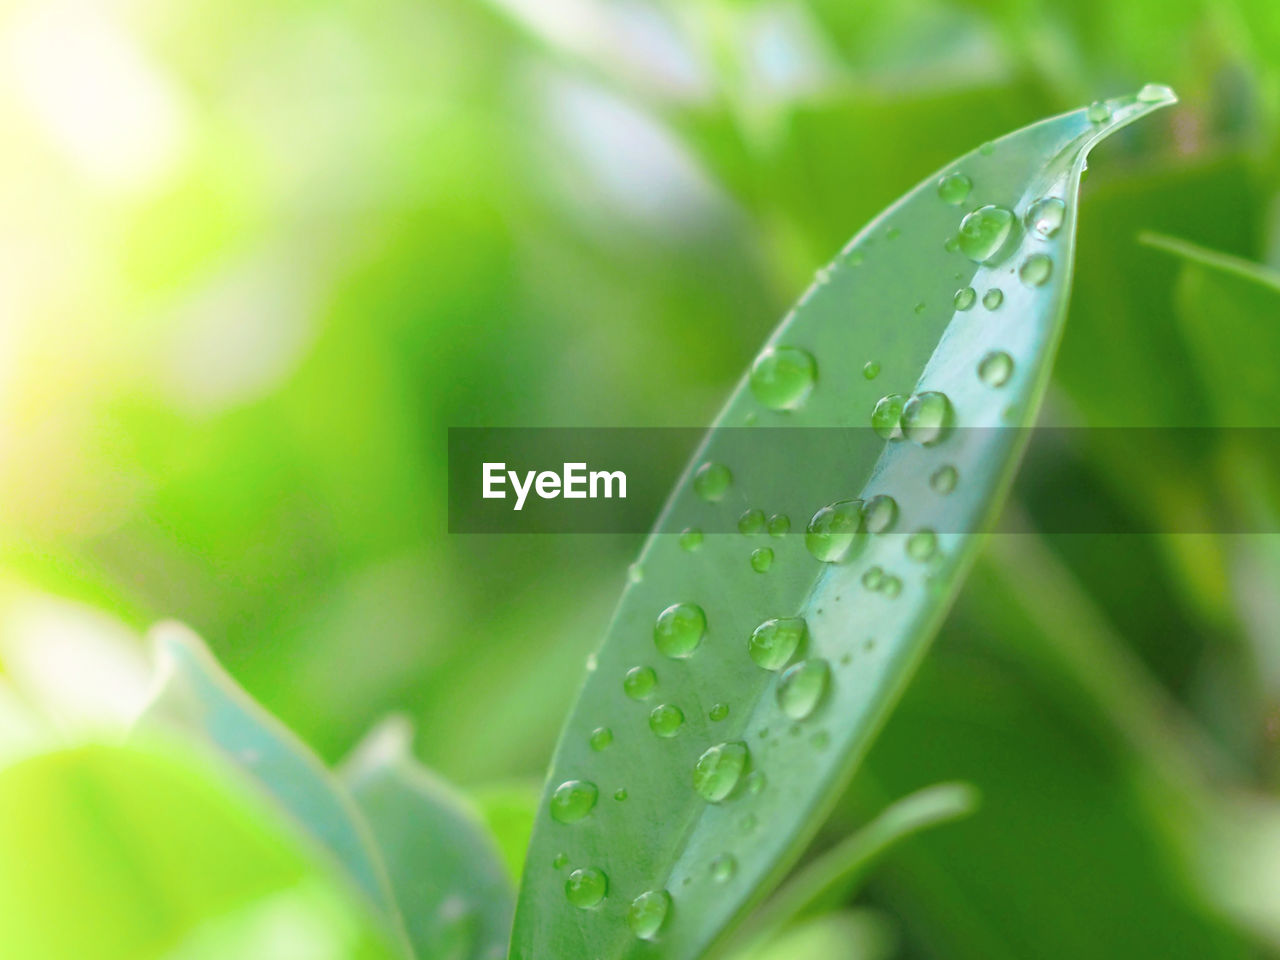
(924, 417)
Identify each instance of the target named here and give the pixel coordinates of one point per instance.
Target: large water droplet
(751, 523)
(922, 545)
(601, 737)
(775, 642)
(679, 630)
(712, 481)
(761, 559)
(954, 188)
(801, 688)
(782, 377)
(666, 719)
(690, 539)
(944, 479)
(995, 368)
(719, 769)
(586, 888)
(639, 682)
(965, 298)
(723, 868)
(987, 234)
(993, 298)
(886, 418)
(648, 912)
(926, 417)
(881, 513)
(1044, 217)
(1036, 269)
(1098, 112)
(833, 529)
(1156, 93)
(573, 800)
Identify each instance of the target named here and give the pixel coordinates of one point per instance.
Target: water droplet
(648, 912)
(987, 149)
(965, 298)
(886, 418)
(561, 861)
(919, 307)
(755, 782)
(995, 368)
(679, 630)
(800, 689)
(873, 578)
(573, 800)
(954, 188)
(779, 525)
(1155, 93)
(1044, 217)
(639, 682)
(665, 720)
(690, 539)
(890, 586)
(723, 868)
(951, 245)
(775, 642)
(871, 369)
(585, 888)
(832, 530)
(751, 522)
(712, 481)
(881, 513)
(987, 234)
(635, 573)
(601, 737)
(761, 559)
(718, 712)
(944, 479)
(620, 794)
(922, 545)
(1035, 269)
(926, 417)
(782, 377)
(719, 769)
(993, 298)
(1098, 112)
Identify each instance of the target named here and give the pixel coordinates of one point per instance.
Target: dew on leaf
(965, 298)
(560, 862)
(679, 630)
(833, 529)
(775, 642)
(666, 719)
(954, 188)
(886, 417)
(873, 578)
(1098, 112)
(782, 377)
(586, 887)
(751, 522)
(639, 682)
(779, 525)
(1044, 217)
(690, 539)
(801, 688)
(987, 234)
(993, 298)
(712, 481)
(944, 479)
(573, 800)
(723, 868)
(881, 513)
(648, 912)
(1035, 270)
(761, 559)
(871, 369)
(1155, 93)
(719, 769)
(926, 417)
(718, 712)
(995, 368)
(601, 737)
(620, 794)
(922, 545)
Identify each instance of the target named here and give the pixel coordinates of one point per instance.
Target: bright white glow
(112, 112)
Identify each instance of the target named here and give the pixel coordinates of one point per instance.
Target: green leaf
(509, 809)
(120, 853)
(886, 300)
(197, 696)
(447, 873)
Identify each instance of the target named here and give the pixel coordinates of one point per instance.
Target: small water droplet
(890, 586)
(801, 688)
(639, 682)
(832, 530)
(601, 737)
(1155, 93)
(775, 642)
(987, 149)
(690, 539)
(782, 377)
(873, 578)
(987, 234)
(944, 479)
(954, 188)
(665, 720)
(719, 769)
(620, 794)
(573, 800)
(779, 525)
(755, 782)
(1044, 217)
(761, 559)
(871, 369)
(920, 307)
(881, 513)
(995, 368)
(723, 868)
(648, 912)
(993, 298)
(965, 298)
(1098, 112)
(922, 545)
(679, 629)
(1035, 269)
(586, 888)
(718, 712)
(712, 481)
(927, 417)
(886, 418)
(751, 523)
(635, 573)
(560, 862)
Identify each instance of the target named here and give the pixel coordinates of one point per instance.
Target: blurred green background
(255, 258)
